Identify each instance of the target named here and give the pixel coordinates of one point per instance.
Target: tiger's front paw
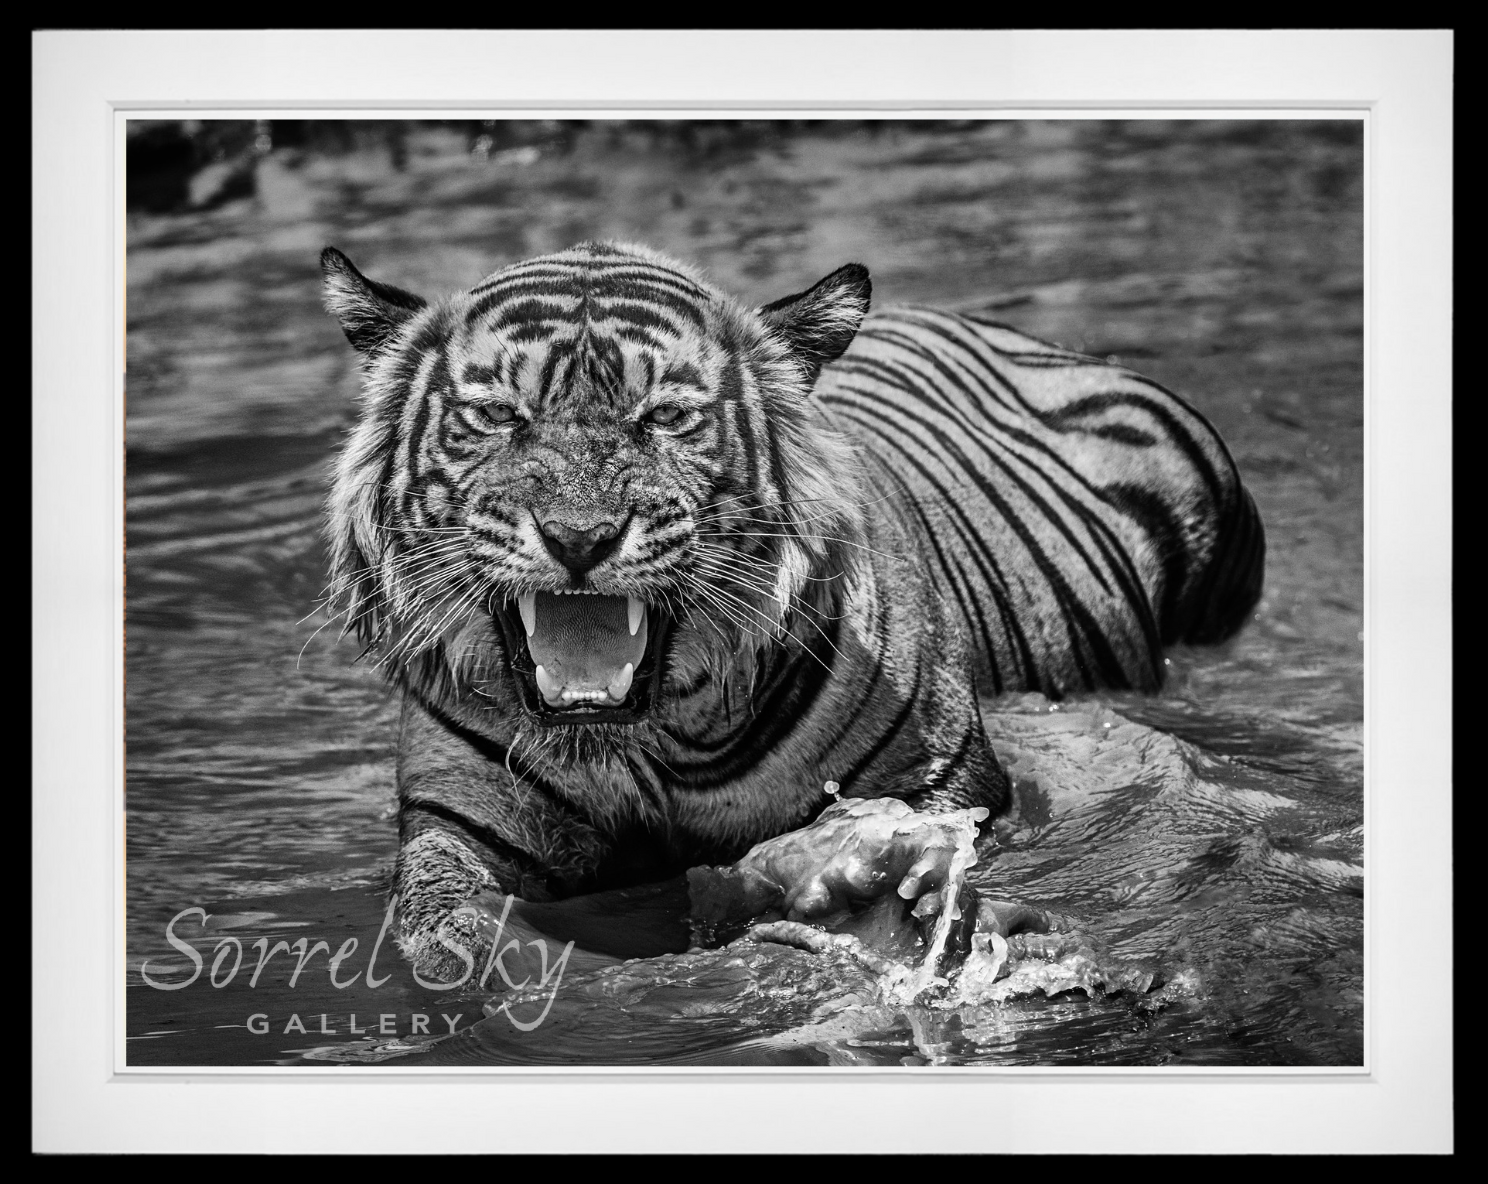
(491, 941)
(858, 852)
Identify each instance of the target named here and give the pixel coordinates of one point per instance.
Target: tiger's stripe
(1080, 516)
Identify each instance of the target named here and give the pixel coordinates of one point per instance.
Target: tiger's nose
(580, 548)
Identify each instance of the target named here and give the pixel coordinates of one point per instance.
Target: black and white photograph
(901, 592)
(763, 592)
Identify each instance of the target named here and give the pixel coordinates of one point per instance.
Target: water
(1213, 833)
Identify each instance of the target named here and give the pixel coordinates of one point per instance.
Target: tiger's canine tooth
(527, 604)
(551, 688)
(621, 686)
(637, 610)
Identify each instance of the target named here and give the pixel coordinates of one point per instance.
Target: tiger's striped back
(1079, 516)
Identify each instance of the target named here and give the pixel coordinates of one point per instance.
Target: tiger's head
(593, 478)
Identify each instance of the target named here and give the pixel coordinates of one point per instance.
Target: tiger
(650, 567)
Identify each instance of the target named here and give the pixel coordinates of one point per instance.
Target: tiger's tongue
(583, 644)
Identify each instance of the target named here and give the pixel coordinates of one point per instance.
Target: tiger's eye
(501, 413)
(664, 413)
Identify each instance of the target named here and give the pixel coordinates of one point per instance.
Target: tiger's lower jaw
(628, 695)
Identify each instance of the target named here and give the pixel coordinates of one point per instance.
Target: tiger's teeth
(551, 688)
(637, 610)
(621, 686)
(527, 605)
(584, 696)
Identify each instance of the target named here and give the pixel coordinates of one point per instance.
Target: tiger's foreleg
(471, 831)
(439, 870)
(922, 742)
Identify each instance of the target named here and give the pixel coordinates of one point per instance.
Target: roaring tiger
(650, 567)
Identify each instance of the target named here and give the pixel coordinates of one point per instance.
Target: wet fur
(841, 645)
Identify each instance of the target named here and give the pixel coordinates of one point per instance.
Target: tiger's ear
(369, 312)
(820, 323)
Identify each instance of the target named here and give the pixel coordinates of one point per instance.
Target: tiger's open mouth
(584, 658)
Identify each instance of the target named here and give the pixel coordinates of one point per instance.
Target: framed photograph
(658, 590)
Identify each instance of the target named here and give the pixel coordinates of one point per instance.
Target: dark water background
(1213, 832)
